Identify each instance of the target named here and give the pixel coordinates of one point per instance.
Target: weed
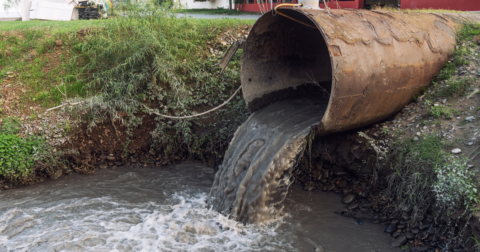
(455, 185)
(468, 31)
(458, 86)
(10, 126)
(16, 156)
(415, 167)
(438, 111)
(385, 131)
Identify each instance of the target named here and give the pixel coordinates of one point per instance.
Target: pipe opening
(285, 59)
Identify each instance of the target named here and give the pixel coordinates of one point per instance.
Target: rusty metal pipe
(367, 65)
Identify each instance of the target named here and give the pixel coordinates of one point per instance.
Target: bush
(455, 185)
(16, 156)
(424, 176)
(149, 59)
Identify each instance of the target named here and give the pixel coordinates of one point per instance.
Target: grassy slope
(36, 57)
(43, 66)
(52, 26)
(217, 12)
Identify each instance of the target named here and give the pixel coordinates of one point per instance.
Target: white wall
(13, 12)
(191, 4)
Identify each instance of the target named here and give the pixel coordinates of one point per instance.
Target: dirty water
(257, 168)
(164, 209)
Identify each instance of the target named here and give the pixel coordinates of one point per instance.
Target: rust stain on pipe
(366, 64)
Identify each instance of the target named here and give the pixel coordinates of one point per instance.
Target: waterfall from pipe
(257, 168)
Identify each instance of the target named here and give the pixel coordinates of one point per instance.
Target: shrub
(152, 60)
(455, 185)
(16, 156)
(425, 176)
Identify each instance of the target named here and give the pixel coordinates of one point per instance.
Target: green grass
(216, 12)
(41, 74)
(417, 10)
(59, 26)
(148, 56)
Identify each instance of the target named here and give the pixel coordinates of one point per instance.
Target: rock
(353, 206)
(110, 158)
(424, 235)
(456, 151)
(114, 167)
(396, 234)
(58, 42)
(348, 199)
(424, 227)
(331, 187)
(103, 166)
(390, 228)
(400, 241)
(470, 143)
(416, 139)
(470, 118)
(415, 231)
(444, 101)
(340, 172)
(309, 187)
(422, 248)
(431, 230)
(418, 134)
(409, 235)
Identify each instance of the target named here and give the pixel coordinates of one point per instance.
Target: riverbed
(164, 209)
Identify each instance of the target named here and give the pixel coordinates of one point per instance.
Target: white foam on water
(184, 223)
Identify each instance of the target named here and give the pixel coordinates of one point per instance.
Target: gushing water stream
(257, 168)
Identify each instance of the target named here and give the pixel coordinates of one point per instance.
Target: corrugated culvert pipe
(365, 64)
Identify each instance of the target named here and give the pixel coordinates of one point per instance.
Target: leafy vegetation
(151, 60)
(458, 60)
(16, 154)
(425, 175)
(468, 31)
(438, 111)
(455, 185)
(147, 59)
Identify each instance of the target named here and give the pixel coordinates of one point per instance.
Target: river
(164, 209)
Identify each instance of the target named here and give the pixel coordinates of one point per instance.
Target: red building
(463, 5)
